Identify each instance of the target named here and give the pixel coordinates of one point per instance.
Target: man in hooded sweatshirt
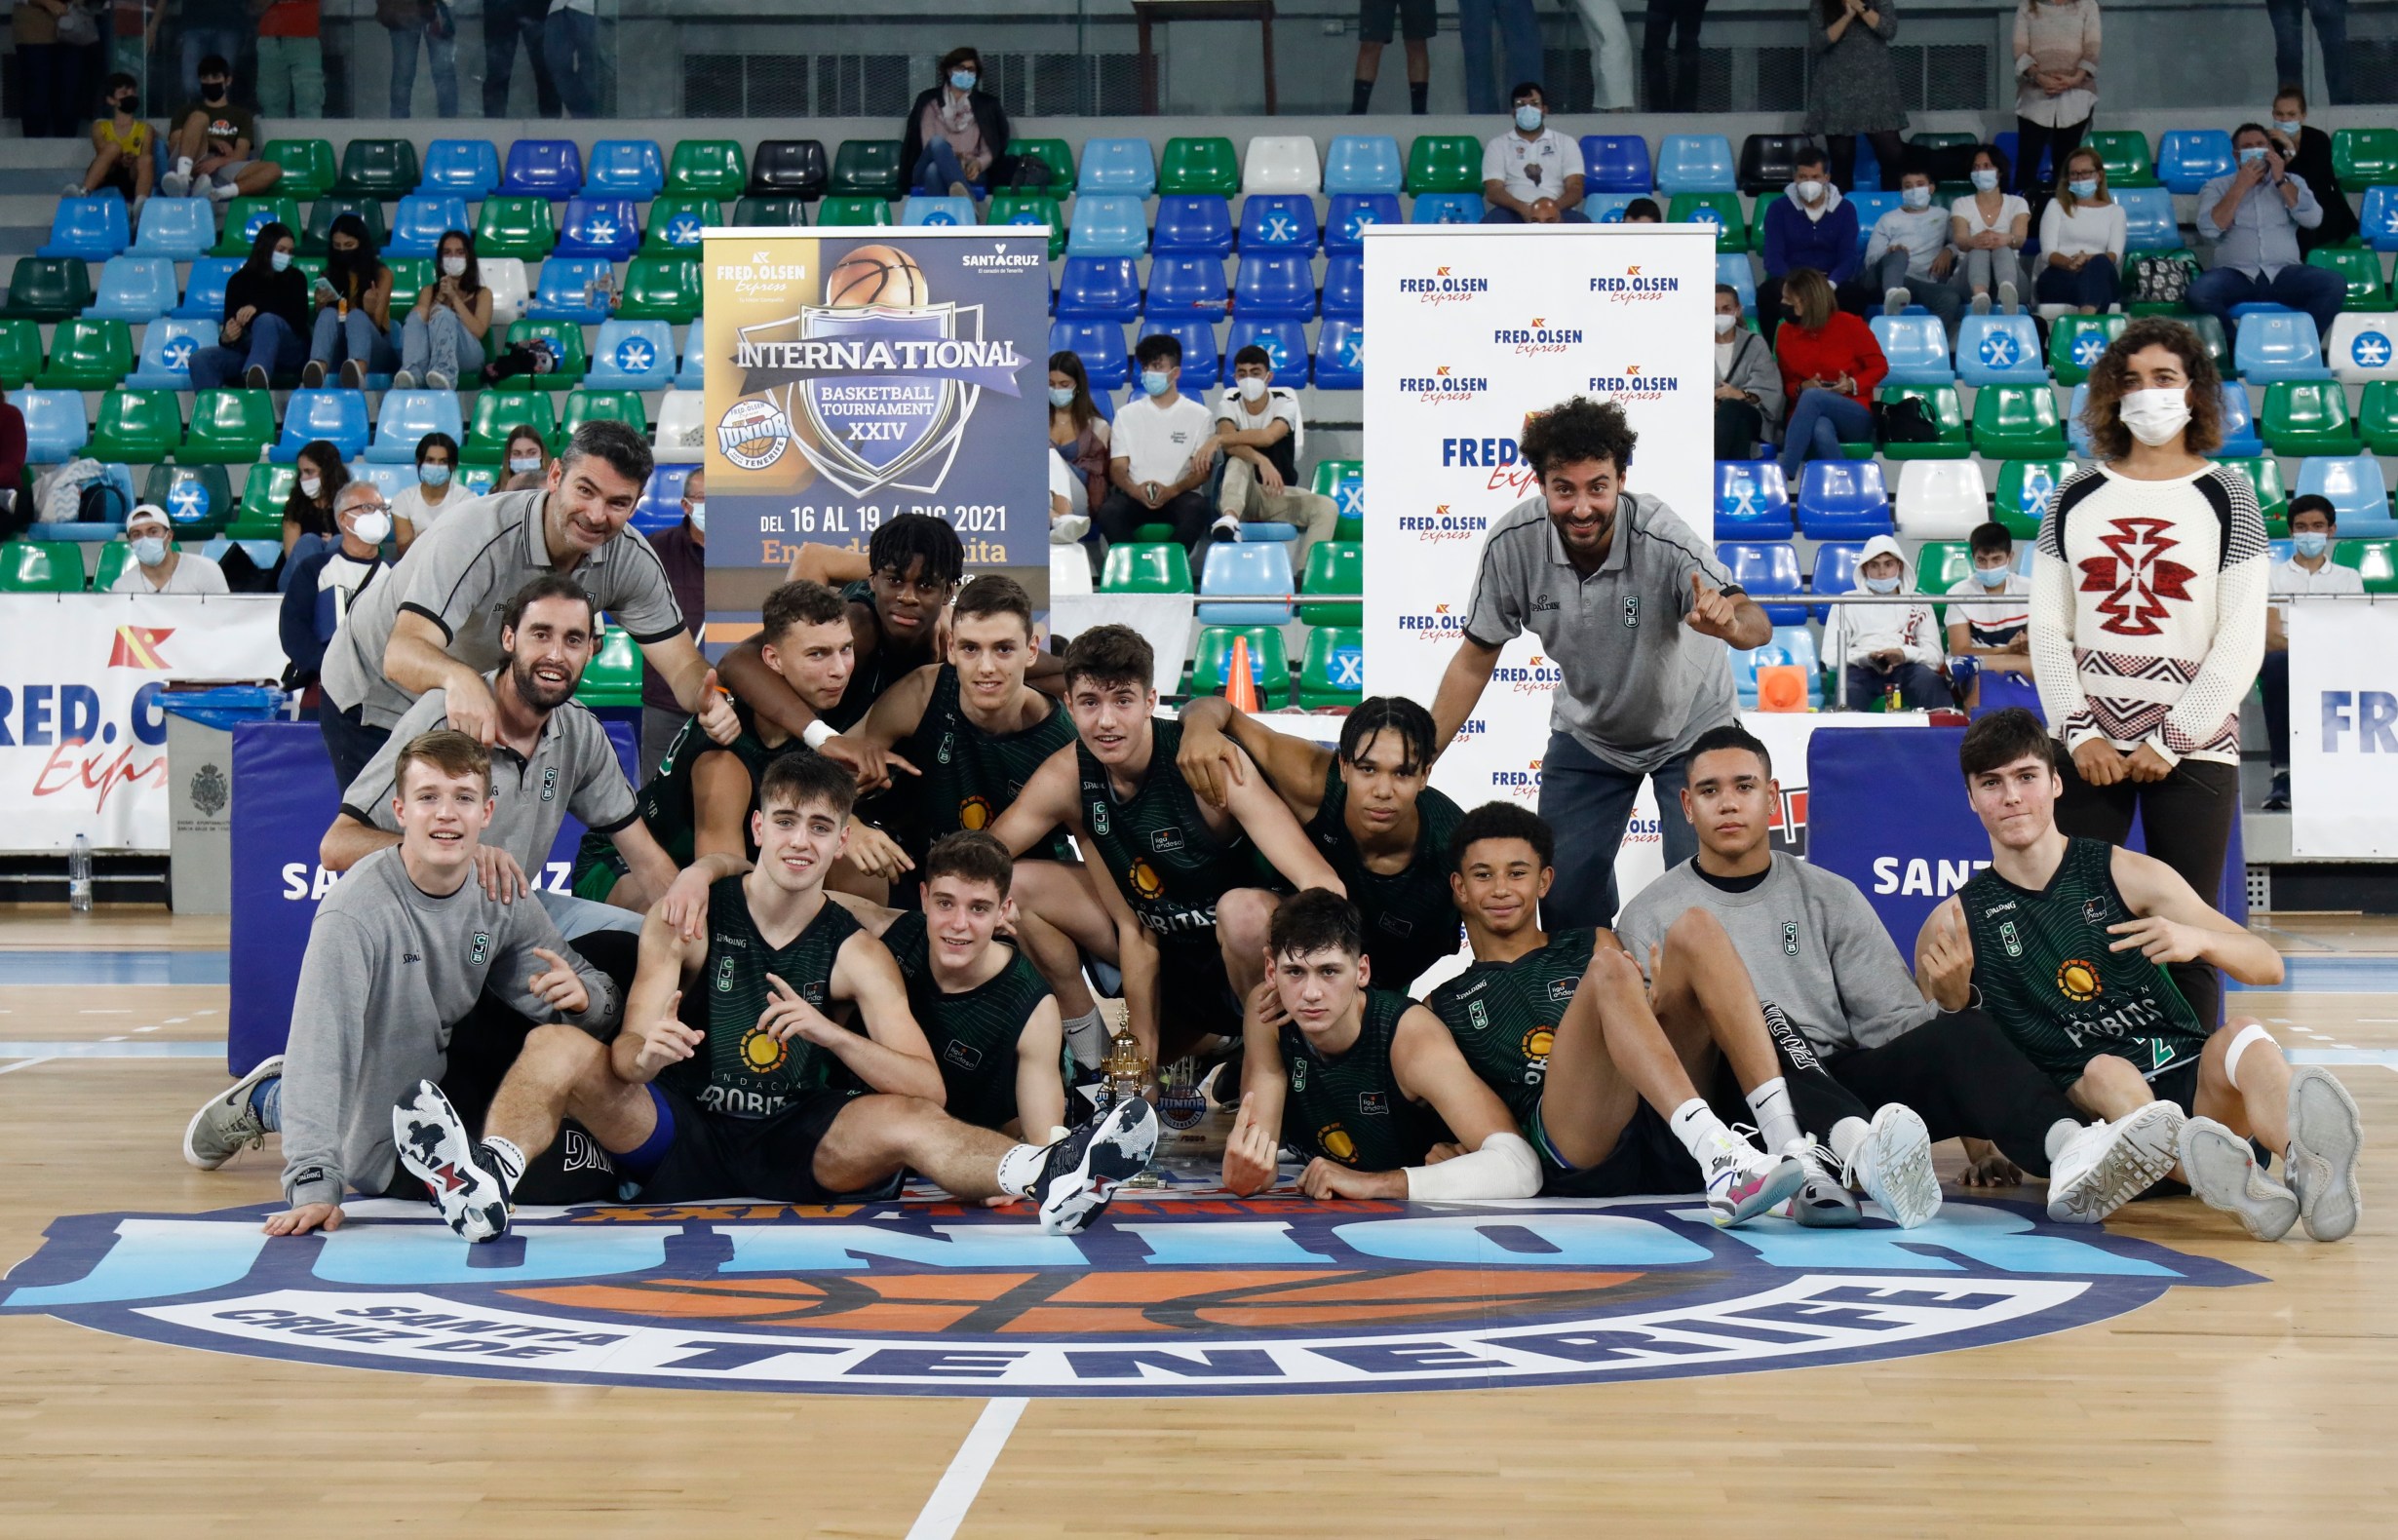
(1810, 225)
(1885, 648)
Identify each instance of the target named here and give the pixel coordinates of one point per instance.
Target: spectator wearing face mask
(266, 319)
(353, 310)
(319, 589)
(157, 567)
(1533, 174)
(1749, 396)
(2315, 524)
(442, 341)
(1990, 228)
(2254, 216)
(1908, 260)
(435, 491)
(309, 509)
(956, 137)
(1161, 454)
(121, 148)
(1831, 367)
(214, 140)
(1077, 434)
(2308, 152)
(2082, 236)
(1810, 227)
(1886, 647)
(525, 454)
(1260, 433)
(1992, 626)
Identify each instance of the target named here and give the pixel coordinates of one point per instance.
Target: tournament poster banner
(2343, 728)
(1498, 322)
(83, 739)
(854, 377)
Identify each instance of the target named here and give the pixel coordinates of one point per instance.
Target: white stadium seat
(682, 428)
(2364, 347)
(1282, 165)
(1941, 499)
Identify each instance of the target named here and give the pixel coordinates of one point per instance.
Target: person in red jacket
(1831, 367)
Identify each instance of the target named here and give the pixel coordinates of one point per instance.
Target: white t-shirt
(2098, 229)
(411, 506)
(1723, 358)
(1157, 441)
(193, 574)
(1280, 406)
(2287, 578)
(1535, 168)
(2010, 207)
(1992, 616)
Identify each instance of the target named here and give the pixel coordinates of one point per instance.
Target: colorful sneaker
(2325, 1139)
(1742, 1181)
(2223, 1170)
(1082, 1170)
(1894, 1167)
(1823, 1202)
(226, 1123)
(2106, 1165)
(435, 1146)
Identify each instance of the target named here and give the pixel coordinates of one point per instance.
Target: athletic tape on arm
(1505, 1166)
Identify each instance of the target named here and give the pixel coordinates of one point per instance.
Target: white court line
(947, 1508)
(22, 1064)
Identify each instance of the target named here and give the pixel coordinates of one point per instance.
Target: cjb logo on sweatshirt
(1790, 937)
(480, 951)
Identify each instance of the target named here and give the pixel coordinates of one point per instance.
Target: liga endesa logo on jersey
(1445, 285)
(1441, 524)
(1190, 1292)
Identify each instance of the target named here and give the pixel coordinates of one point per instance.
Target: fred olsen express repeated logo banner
(1629, 286)
(1445, 285)
(1192, 1293)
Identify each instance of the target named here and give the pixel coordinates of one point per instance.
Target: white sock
(506, 1157)
(1020, 1168)
(1770, 1102)
(1086, 1037)
(1696, 1124)
(2059, 1134)
(1846, 1135)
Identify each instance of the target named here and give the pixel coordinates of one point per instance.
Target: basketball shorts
(711, 1155)
(574, 1168)
(1415, 19)
(598, 867)
(2178, 1085)
(1647, 1160)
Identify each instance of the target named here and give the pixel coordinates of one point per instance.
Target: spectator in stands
(1643, 211)
(48, 70)
(157, 567)
(291, 58)
(1519, 30)
(215, 143)
(1533, 174)
(435, 491)
(318, 588)
(1993, 627)
(1852, 87)
(1908, 260)
(683, 552)
(2082, 236)
(308, 512)
(2311, 158)
(406, 21)
(570, 41)
(1260, 433)
(2315, 524)
(1886, 649)
(1989, 227)
(1076, 430)
(1681, 19)
(1831, 367)
(525, 453)
(2254, 216)
(442, 341)
(1810, 227)
(1161, 453)
(353, 310)
(121, 147)
(266, 317)
(2330, 35)
(2056, 85)
(1748, 398)
(1611, 54)
(504, 23)
(956, 137)
(1377, 20)
(209, 29)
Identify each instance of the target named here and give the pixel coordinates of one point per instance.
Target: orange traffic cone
(1240, 685)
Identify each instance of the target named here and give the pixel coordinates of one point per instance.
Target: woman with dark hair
(1749, 397)
(266, 314)
(309, 509)
(1852, 87)
(1831, 367)
(435, 493)
(1077, 432)
(353, 309)
(441, 343)
(956, 137)
(1988, 229)
(2147, 615)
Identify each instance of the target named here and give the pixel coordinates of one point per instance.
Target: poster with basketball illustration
(856, 376)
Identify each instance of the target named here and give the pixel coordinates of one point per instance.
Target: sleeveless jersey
(1350, 1110)
(2047, 978)
(970, 776)
(1504, 1017)
(974, 1034)
(1170, 867)
(873, 674)
(740, 1070)
(1411, 920)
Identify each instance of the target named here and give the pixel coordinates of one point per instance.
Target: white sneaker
(434, 379)
(2106, 1165)
(1894, 1167)
(1225, 527)
(1981, 304)
(177, 183)
(2007, 298)
(1069, 530)
(74, 189)
(1742, 1181)
(2325, 1139)
(1082, 1170)
(2223, 1170)
(1823, 1202)
(224, 192)
(402, 379)
(1893, 300)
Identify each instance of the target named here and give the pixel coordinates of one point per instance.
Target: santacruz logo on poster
(1444, 288)
(1634, 385)
(928, 1296)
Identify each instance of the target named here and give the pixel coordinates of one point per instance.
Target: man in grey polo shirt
(1636, 612)
(433, 622)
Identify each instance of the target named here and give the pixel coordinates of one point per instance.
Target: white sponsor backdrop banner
(2343, 728)
(83, 743)
(1476, 327)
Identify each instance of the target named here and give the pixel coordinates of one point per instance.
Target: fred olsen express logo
(1500, 455)
(1524, 784)
(1441, 524)
(1539, 676)
(1632, 286)
(1536, 339)
(1433, 624)
(1444, 287)
(1633, 384)
(1442, 386)
(1163, 1296)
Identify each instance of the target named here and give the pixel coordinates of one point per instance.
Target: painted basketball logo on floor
(1179, 1294)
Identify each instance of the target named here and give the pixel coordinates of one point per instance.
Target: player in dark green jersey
(726, 1078)
(1367, 807)
(1364, 1081)
(1180, 892)
(2068, 941)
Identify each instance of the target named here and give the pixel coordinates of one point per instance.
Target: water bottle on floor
(79, 876)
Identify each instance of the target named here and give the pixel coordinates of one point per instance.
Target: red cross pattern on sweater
(2136, 579)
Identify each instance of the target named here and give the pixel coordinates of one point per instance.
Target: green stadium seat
(322, 213)
(49, 288)
(566, 338)
(2218, 345)
(41, 567)
(215, 513)
(2009, 503)
(673, 216)
(2017, 422)
(1269, 663)
(1334, 479)
(1146, 567)
(2377, 416)
(308, 167)
(1031, 207)
(408, 277)
(384, 168)
(2376, 559)
(2273, 496)
(1333, 672)
(2069, 356)
(2308, 417)
(1056, 154)
(661, 288)
(1152, 534)
(229, 427)
(1439, 163)
(21, 353)
(89, 355)
(2364, 158)
(772, 212)
(2127, 157)
(613, 677)
(854, 209)
(1334, 566)
(605, 405)
(497, 413)
(521, 227)
(2361, 269)
(238, 215)
(1719, 209)
(259, 515)
(1200, 166)
(1947, 406)
(714, 168)
(869, 169)
(140, 427)
(115, 555)
(1941, 565)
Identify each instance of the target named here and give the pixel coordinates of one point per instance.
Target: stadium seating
(1363, 162)
(2376, 560)
(791, 169)
(1100, 344)
(2190, 158)
(605, 227)
(244, 217)
(2360, 270)
(633, 354)
(259, 516)
(1179, 288)
(93, 228)
(1613, 162)
(2376, 416)
(181, 228)
(2265, 477)
(1697, 163)
(41, 567)
(204, 289)
(1241, 567)
(1269, 665)
(2074, 343)
(770, 213)
(514, 225)
(1447, 208)
(1842, 500)
(2124, 153)
(1203, 362)
(1279, 163)
(604, 406)
(1101, 289)
(499, 411)
(406, 417)
(468, 169)
(1055, 156)
(384, 168)
(574, 289)
(1146, 567)
(1278, 223)
(2017, 422)
(1333, 566)
(1285, 342)
(625, 169)
(389, 479)
(1126, 167)
(422, 219)
(1792, 645)
(338, 416)
(1333, 672)
(1344, 287)
(1734, 269)
(565, 335)
(1834, 572)
(198, 498)
(138, 427)
(661, 505)
(2380, 218)
(1108, 224)
(166, 346)
(1195, 225)
(1768, 161)
(1721, 209)
(1344, 482)
(1444, 163)
(2021, 495)
(87, 354)
(2303, 417)
(2358, 494)
(505, 277)
(676, 222)
(1916, 347)
(1039, 208)
(308, 167)
(1209, 164)
(229, 427)
(945, 210)
(682, 428)
(1752, 501)
(543, 169)
(661, 288)
(2149, 220)
(1945, 407)
(1340, 354)
(2239, 425)
(2365, 158)
(21, 353)
(1941, 499)
(854, 209)
(1765, 568)
(2279, 345)
(1275, 286)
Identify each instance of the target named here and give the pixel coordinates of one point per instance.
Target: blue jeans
(1820, 422)
(1587, 801)
(1518, 32)
(357, 337)
(938, 168)
(2093, 284)
(570, 41)
(199, 42)
(2330, 35)
(2316, 291)
(443, 51)
(442, 344)
(269, 344)
(1920, 688)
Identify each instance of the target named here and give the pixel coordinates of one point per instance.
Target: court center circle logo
(1185, 1291)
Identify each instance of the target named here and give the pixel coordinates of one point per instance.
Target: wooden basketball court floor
(2254, 1410)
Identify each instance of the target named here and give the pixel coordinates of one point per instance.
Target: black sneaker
(255, 377)
(2277, 799)
(312, 376)
(434, 1144)
(1082, 1170)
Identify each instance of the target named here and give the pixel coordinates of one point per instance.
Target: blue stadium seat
(1916, 347)
(605, 227)
(1751, 502)
(1100, 344)
(2009, 143)
(661, 499)
(1203, 362)
(93, 228)
(338, 415)
(632, 168)
(1108, 224)
(1118, 166)
(1344, 287)
(2148, 215)
(1284, 341)
(1835, 572)
(1278, 223)
(1447, 208)
(467, 168)
(1999, 350)
(693, 374)
(389, 479)
(549, 168)
(1184, 286)
(1615, 163)
(1239, 568)
(1764, 567)
(1345, 221)
(1871, 205)
(424, 218)
(633, 354)
(2076, 436)
(1193, 224)
(1697, 163)
(1363, 162)
(945, 210)
(1733, 267)
(54, 424)
(2380, 218)
(2359, 494)
(1608, 208)
(134, 288)
(2190, 158)
(568, 290)
(1099, 288)
(408, 415)
(1340, 354)
(204, 289)
(2240, 440)
(1275, 285)
(1844, 500)
(166, 346)
(181, 228)
(2278, 345)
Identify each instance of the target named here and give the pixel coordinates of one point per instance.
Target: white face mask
(432, 474)
(1251, 387)
(697, 512)
(1810, 192)
(524, 463)
(454, 266)
(2289, 126)
(1915, 197)
(150, 550)
(1990, 577)
(1985, 180)
(2155, 417)
(372, 527)
(1881, 585)
(310, 486)
(1725, 324)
